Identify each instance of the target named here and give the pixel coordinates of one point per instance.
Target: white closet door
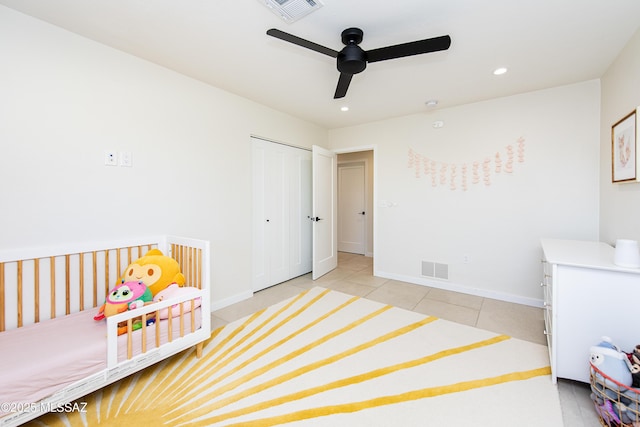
(277, 215)
(281, 213)
(260, 267)
(270, 215)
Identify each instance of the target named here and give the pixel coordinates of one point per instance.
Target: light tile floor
(354, 276)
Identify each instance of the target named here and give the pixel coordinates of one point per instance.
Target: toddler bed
(52, 351)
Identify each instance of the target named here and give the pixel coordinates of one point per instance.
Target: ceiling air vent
(292, 10)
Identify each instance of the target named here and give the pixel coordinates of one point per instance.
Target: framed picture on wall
(624, 148)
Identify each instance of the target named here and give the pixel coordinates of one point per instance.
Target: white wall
(552, 193)
(65, 99)
(619, 203)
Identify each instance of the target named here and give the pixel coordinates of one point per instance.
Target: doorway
(355, 202)
(351, 208)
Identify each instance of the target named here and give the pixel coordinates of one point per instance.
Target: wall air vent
(292, 10)
(435, 270)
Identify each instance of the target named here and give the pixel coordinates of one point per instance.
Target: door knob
(361, 213)
(316, 219)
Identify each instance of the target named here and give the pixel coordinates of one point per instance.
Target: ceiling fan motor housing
(352, 59)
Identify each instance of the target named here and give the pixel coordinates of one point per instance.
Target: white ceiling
(544, 43)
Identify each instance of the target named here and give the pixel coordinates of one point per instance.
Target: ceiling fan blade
(273, 32)
(343, 85)
(407, 49)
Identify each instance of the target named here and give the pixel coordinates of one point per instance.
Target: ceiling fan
(352, 59)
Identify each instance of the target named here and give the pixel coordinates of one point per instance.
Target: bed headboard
(44, 283)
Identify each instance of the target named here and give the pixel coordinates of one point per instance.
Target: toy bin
(617, 405)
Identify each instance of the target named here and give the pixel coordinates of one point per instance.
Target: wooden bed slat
(106, 272)
(94, 258)
(118, 261)
(81, 268)
(19, 274)
(52, 278)
(36, 290)
(67, 284)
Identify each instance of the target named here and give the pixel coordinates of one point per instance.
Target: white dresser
(586, 296)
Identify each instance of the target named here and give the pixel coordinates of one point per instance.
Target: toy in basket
(617, 402)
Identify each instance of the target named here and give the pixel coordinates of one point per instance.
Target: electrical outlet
(110, 158)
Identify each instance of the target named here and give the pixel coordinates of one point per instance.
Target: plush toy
(155, 270)
(612, 362)
(173, 291)
(126, 296)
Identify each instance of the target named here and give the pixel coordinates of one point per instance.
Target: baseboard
(448, 286)
(219, 304)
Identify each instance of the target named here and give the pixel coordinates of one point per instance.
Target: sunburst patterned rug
(324, 358)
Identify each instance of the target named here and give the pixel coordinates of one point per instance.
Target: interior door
(324, 213)
(351, 208)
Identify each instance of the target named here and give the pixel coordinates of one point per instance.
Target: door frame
(373, 148)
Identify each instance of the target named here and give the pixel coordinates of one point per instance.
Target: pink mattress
(38, 360)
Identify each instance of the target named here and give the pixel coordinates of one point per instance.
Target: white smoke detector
(292, 10)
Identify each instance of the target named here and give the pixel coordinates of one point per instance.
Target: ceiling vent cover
(292, 10)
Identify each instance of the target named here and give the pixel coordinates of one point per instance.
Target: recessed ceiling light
(499, 71)
(345, 108)
(432, 103)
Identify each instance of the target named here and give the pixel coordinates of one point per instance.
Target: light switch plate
(126, 159)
